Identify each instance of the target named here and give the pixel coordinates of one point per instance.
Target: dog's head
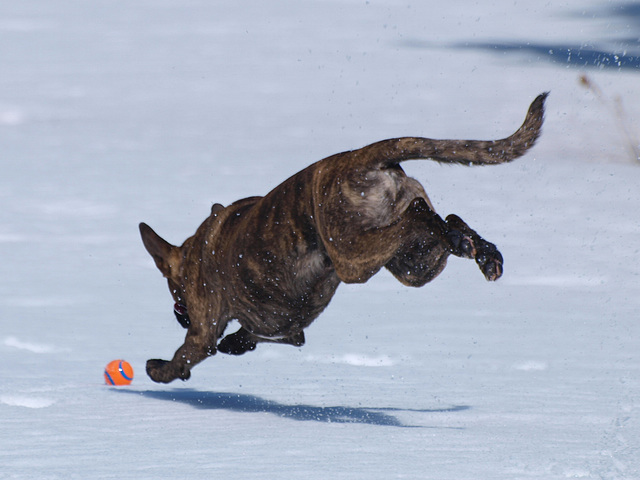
(169, 260)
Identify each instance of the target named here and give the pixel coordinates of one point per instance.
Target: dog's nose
(180, 309)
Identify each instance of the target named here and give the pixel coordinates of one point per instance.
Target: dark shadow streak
(575, 56)
(565, 55)
(238, 402)
(609, 52)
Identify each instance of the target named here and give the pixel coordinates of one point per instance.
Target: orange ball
(118, 373)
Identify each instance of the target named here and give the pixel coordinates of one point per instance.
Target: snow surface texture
(112, 113)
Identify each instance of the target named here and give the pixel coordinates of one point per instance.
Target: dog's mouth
(180, 311)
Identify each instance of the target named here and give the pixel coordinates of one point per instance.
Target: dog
(273, 263)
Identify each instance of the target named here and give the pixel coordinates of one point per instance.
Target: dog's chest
(274, 274)
(280, 297)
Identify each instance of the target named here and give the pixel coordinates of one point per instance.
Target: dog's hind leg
(358, 254)
(419, 261)
(485, 253)
(420, 239)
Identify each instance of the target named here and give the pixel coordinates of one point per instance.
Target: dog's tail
(465, 152)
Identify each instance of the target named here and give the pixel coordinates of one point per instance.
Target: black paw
(162, 371)
(461, 245)
(490, 261)
(237, 343)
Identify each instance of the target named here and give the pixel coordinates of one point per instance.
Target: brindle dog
(273, 263)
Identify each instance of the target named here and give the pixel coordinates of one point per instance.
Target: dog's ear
(166, 256)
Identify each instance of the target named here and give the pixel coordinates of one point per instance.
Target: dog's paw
(237, 343)
(461, 245)
(490, 261)
(162, 371)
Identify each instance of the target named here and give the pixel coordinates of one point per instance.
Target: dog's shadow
(239, 402)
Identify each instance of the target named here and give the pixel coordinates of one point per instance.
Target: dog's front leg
(198, 345)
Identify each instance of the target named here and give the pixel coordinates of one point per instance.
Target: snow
(116, 113)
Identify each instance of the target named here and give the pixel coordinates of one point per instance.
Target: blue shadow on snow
(570, 55)
(238, 402)
(608, 52)
(566, 55)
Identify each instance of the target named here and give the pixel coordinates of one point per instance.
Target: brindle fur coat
(273, 263)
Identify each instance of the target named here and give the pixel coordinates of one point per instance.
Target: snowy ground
(113, 113)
